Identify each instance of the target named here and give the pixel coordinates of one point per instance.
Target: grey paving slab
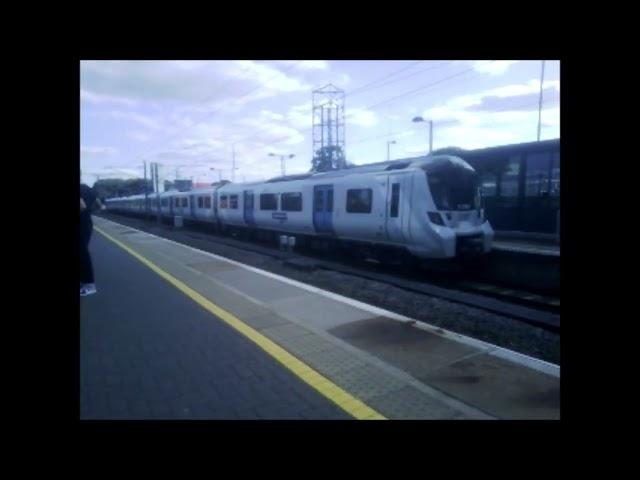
(408, 403)
(367, 381)
(332, 361)
(218, 293)
(319, 311)
(297, 341)
(259, 287)
(266, 320)
(212, 267)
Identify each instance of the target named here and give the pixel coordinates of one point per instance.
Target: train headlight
(435, 218)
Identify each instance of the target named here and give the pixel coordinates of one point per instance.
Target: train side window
(489, 182)
(510, 178)
(395, 199)
(268, 201)
(359, 200)
(163, 202)
(200, 202)
(318, 200)
(330, 201)
(185, 202)
(207, 202)
(224, 202)
(537, 181)
(292, 202)
(233, 201)
(555, 175)
(176, 202)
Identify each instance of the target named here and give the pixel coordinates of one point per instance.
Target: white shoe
(87, 289)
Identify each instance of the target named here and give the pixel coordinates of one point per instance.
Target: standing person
(88, 201)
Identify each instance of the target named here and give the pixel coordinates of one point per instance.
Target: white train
(430, 208)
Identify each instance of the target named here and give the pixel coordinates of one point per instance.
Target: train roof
(402, 164)
(426, 162)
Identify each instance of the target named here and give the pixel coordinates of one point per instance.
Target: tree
(117, 187)
(329, 157)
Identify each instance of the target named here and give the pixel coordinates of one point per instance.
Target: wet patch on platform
(496, 386)
(404, 346)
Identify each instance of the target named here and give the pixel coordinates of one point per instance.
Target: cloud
(268, 132)
(307, 64)
(144, 120)
(529, 101)
(447, 123)
(100, 99)
(139, 136)
(509, 103)
(362, 117)
(98, 151)
(531, 86)
(417, 150)
(474, 137)
(497, 67)
(314, 65)
(551, 117)
(188, 81)
(268, 115)
(299, 116)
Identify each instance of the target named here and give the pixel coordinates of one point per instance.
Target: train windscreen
(454, 185)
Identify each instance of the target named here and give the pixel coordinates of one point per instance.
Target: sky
(189, 116)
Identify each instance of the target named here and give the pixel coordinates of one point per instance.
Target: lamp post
(540, 101)
(389, 143)
(419, 120)
(282, 162)
(233, 162)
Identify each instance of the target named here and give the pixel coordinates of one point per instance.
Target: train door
(171, 201)
(248, 208)
(192, 205)
(398, 207)
(323, 208)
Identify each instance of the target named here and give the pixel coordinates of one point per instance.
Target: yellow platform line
(350, 404)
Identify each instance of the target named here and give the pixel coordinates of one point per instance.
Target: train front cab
(457, 214)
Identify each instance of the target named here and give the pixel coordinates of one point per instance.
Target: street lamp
(233, 160)
(282, 163)
(391, 142)
(420, 119)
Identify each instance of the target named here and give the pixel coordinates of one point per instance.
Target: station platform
(527, 246)
(179, 333)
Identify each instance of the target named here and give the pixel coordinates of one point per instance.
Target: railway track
(534, 308)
